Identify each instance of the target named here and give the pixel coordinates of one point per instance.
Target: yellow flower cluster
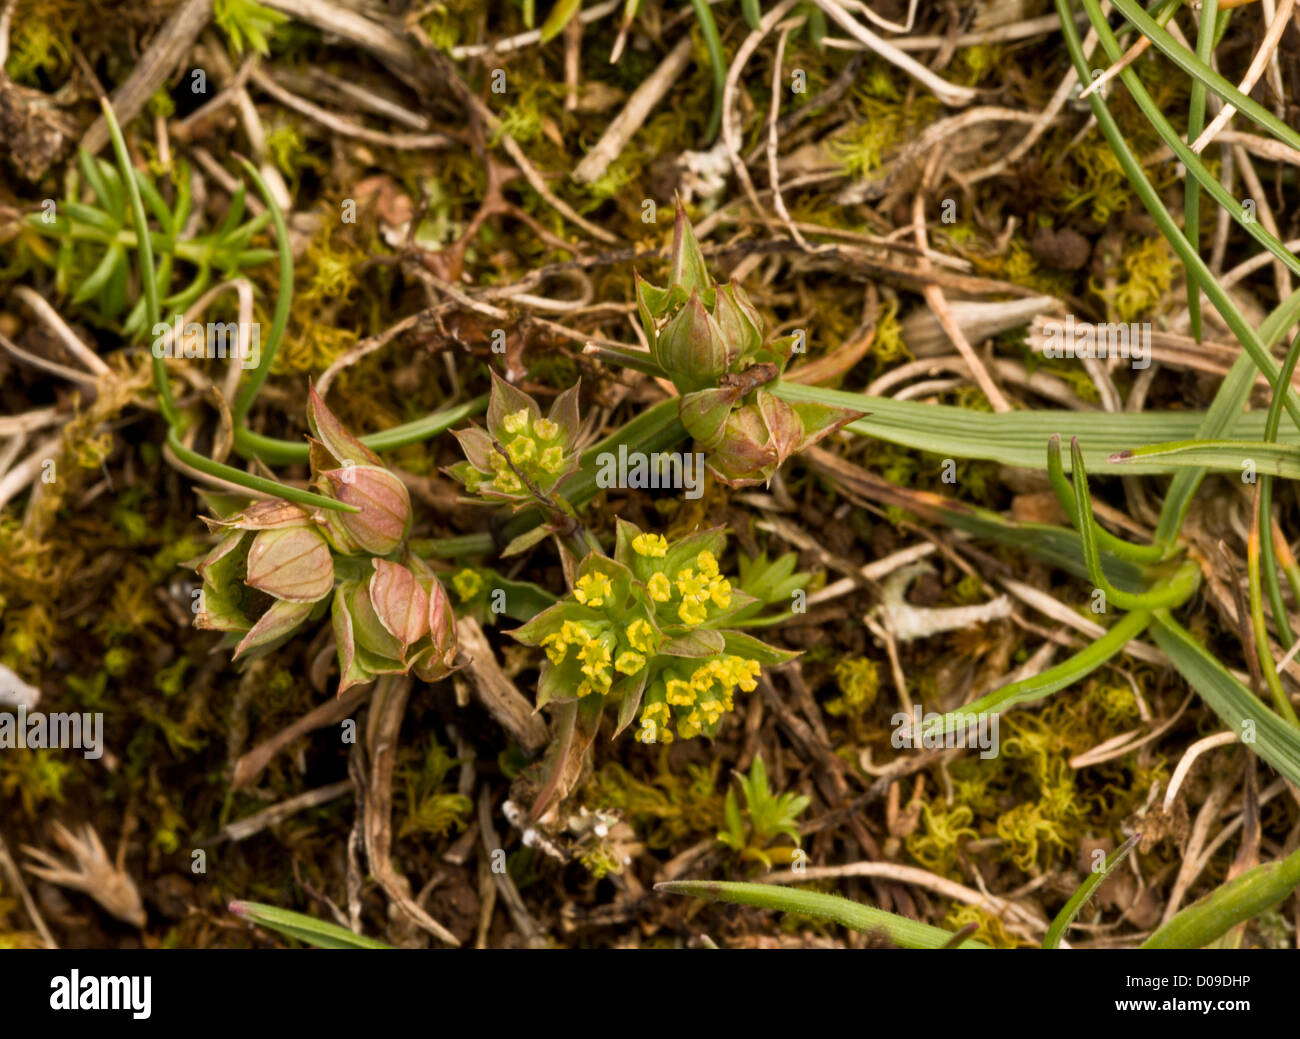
(467, 584)
(708, 692)
(699, 589)
(594, 589)
(594, 652)
(531, 450)
(598, 650)
(698, 586)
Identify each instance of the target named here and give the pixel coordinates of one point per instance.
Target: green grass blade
(856, 917)
(1018, 437)
(1221, 456)
(1079, 899)
(1054, 679)
(1238, 708)
(1196, 169)
(717, 61)
(1151, 200)
(1069, 502)
(144, 247)
(1201, 71)
(1236, 901)
(561, 14)
(1225, 409)
(252, 482)
(1267, 553)
(283, 300)
(1195, 124)
(86, 163)
(304, 928)
(284, 452)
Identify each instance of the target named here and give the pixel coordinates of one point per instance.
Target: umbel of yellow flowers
(647, 630)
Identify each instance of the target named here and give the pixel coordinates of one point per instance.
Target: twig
(634, 113)
(169, 46)
(1258, 64)
(379, 804)
(527, 39)
(67, 337)
(242, 829)
(1025, 922)
(502, 699)
(949, 93)
(1188, 759)
(6, 860)
(505, 886)
(250, 765)
(346, 127)
(939, 303)
(773, 172)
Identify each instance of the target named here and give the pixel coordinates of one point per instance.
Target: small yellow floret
(641, 635)
(507, 482)
(467, 584)
(522, 449)
(652, 545)
(546, 429)
(593, 589)
(659, 588)
(692, 613)
(690, 586)
(552, 460)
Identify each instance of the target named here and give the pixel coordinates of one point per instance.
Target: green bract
(708, 339)
(646, 629)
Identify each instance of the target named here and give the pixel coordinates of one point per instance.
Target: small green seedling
(765, 818)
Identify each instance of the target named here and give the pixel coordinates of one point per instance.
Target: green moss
(1146, 271)
(36, 51)
(36, 777)
(991, 930)
(431, 809)
(934, 845)
(859, 684)
(672, 806)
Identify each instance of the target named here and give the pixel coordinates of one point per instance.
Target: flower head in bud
(395, 621)
(709, 340)
(290, 564)
(691, 349)
(385, 504)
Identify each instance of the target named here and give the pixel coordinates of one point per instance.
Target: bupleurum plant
(282, 563)
(519, 447)
(709, 340)
(646, 630)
